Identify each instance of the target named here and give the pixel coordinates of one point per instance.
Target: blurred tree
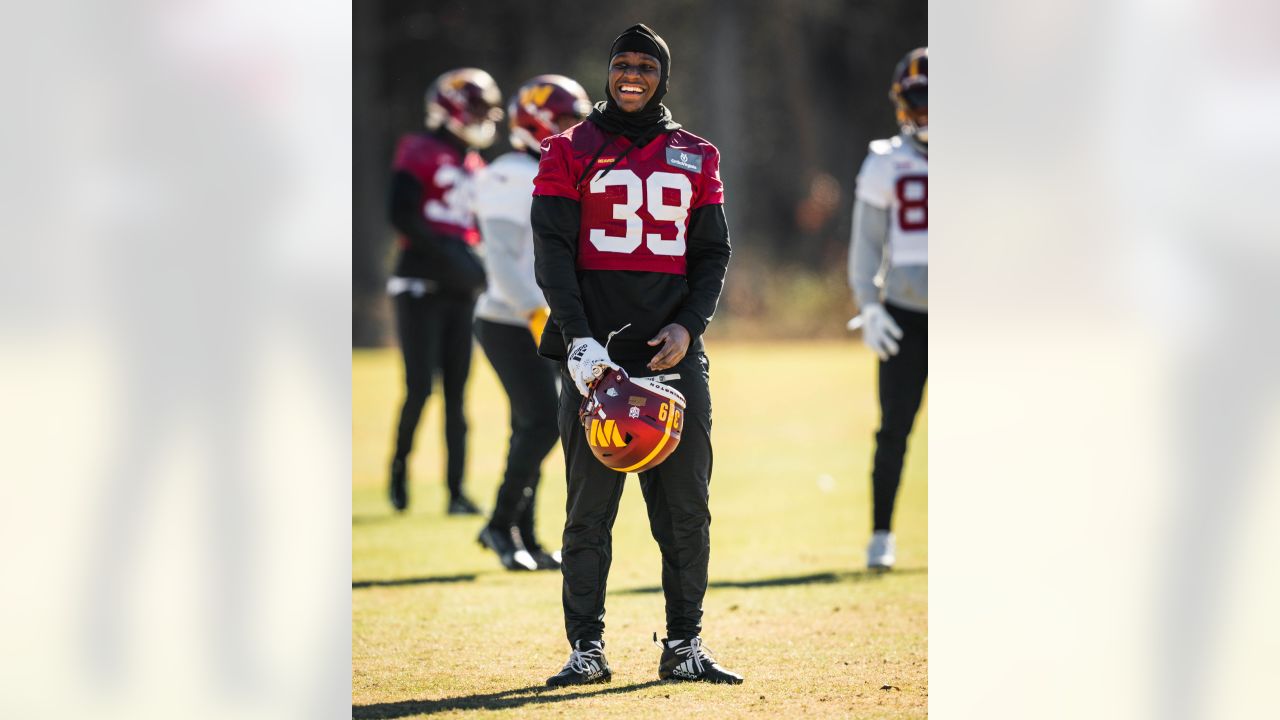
(790, 92)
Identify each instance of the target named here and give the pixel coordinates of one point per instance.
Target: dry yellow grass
(439, 627)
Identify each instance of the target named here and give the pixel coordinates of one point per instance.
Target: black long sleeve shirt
(596, 302)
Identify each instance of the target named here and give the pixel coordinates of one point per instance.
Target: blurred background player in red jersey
(631, 247)
(889, 272)
(512, 312)
(438, 275)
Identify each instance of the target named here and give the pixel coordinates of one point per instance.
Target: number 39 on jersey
(636, 203)
(659, 207)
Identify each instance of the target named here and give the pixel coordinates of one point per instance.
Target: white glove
(879, 331)
(588, 360)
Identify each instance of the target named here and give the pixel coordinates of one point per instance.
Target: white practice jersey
(895, 176)
(503, 194)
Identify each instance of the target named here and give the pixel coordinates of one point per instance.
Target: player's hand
(538, 322)
(879, 331)
(674, 339)
(588, 360)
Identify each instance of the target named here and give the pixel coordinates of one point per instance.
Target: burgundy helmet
(632, 425)
(467, 103)
(544, 106)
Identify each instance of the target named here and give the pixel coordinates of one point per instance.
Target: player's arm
(556, 223)
(707, 248)
(873, 197)
(707, 254)
(866, 255)
(871, 217)
(455, 264)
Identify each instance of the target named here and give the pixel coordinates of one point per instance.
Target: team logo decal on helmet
(632, 425)
(537, 109)
(467, 103)
(910, 93)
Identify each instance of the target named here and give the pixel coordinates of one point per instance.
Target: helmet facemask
(912, 104)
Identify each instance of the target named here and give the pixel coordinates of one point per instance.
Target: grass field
(439, 627)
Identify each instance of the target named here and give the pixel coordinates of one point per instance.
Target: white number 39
(648, 193)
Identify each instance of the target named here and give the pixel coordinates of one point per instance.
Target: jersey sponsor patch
(684, 159)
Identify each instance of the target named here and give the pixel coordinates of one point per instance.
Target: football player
(438, 274)
(889, 272)
(513, 306)
(631, 248)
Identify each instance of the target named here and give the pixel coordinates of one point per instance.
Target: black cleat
(691, 660)
(586, 666)
(511, 554)
(461, 505)
(399, 489)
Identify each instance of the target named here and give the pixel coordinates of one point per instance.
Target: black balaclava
(654, 118)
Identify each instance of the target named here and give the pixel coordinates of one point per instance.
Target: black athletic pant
(676, 493)
(902, 381)
(435, 337)
(530, 382)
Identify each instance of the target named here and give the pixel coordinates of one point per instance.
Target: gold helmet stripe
(666, 435)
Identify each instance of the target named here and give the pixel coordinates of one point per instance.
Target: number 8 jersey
(895, 176)
(635, 212)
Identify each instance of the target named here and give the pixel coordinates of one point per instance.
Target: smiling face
(633, 79)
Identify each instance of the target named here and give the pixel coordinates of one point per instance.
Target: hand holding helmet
(588, 360)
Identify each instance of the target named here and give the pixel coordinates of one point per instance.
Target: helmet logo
(634, 412)
(604, 433)
(536, 95)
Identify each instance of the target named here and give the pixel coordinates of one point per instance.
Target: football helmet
(910, 94)
(541, 108)
(632, 424)
(467, 103)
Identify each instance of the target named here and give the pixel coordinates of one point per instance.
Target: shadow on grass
(531, 695)
(437, 579)
(813, 579)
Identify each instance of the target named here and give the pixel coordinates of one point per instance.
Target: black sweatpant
(676, 493)
(530, 382)
(902, 381)
(435, 337)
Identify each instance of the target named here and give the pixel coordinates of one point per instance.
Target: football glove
(588, 360)
(879, 331)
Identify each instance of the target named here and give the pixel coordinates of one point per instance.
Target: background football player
(889, 272)
(631, 248)
(513, 305)
(438, 274)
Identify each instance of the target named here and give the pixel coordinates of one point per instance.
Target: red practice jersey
(635, 216)
(445, 173)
